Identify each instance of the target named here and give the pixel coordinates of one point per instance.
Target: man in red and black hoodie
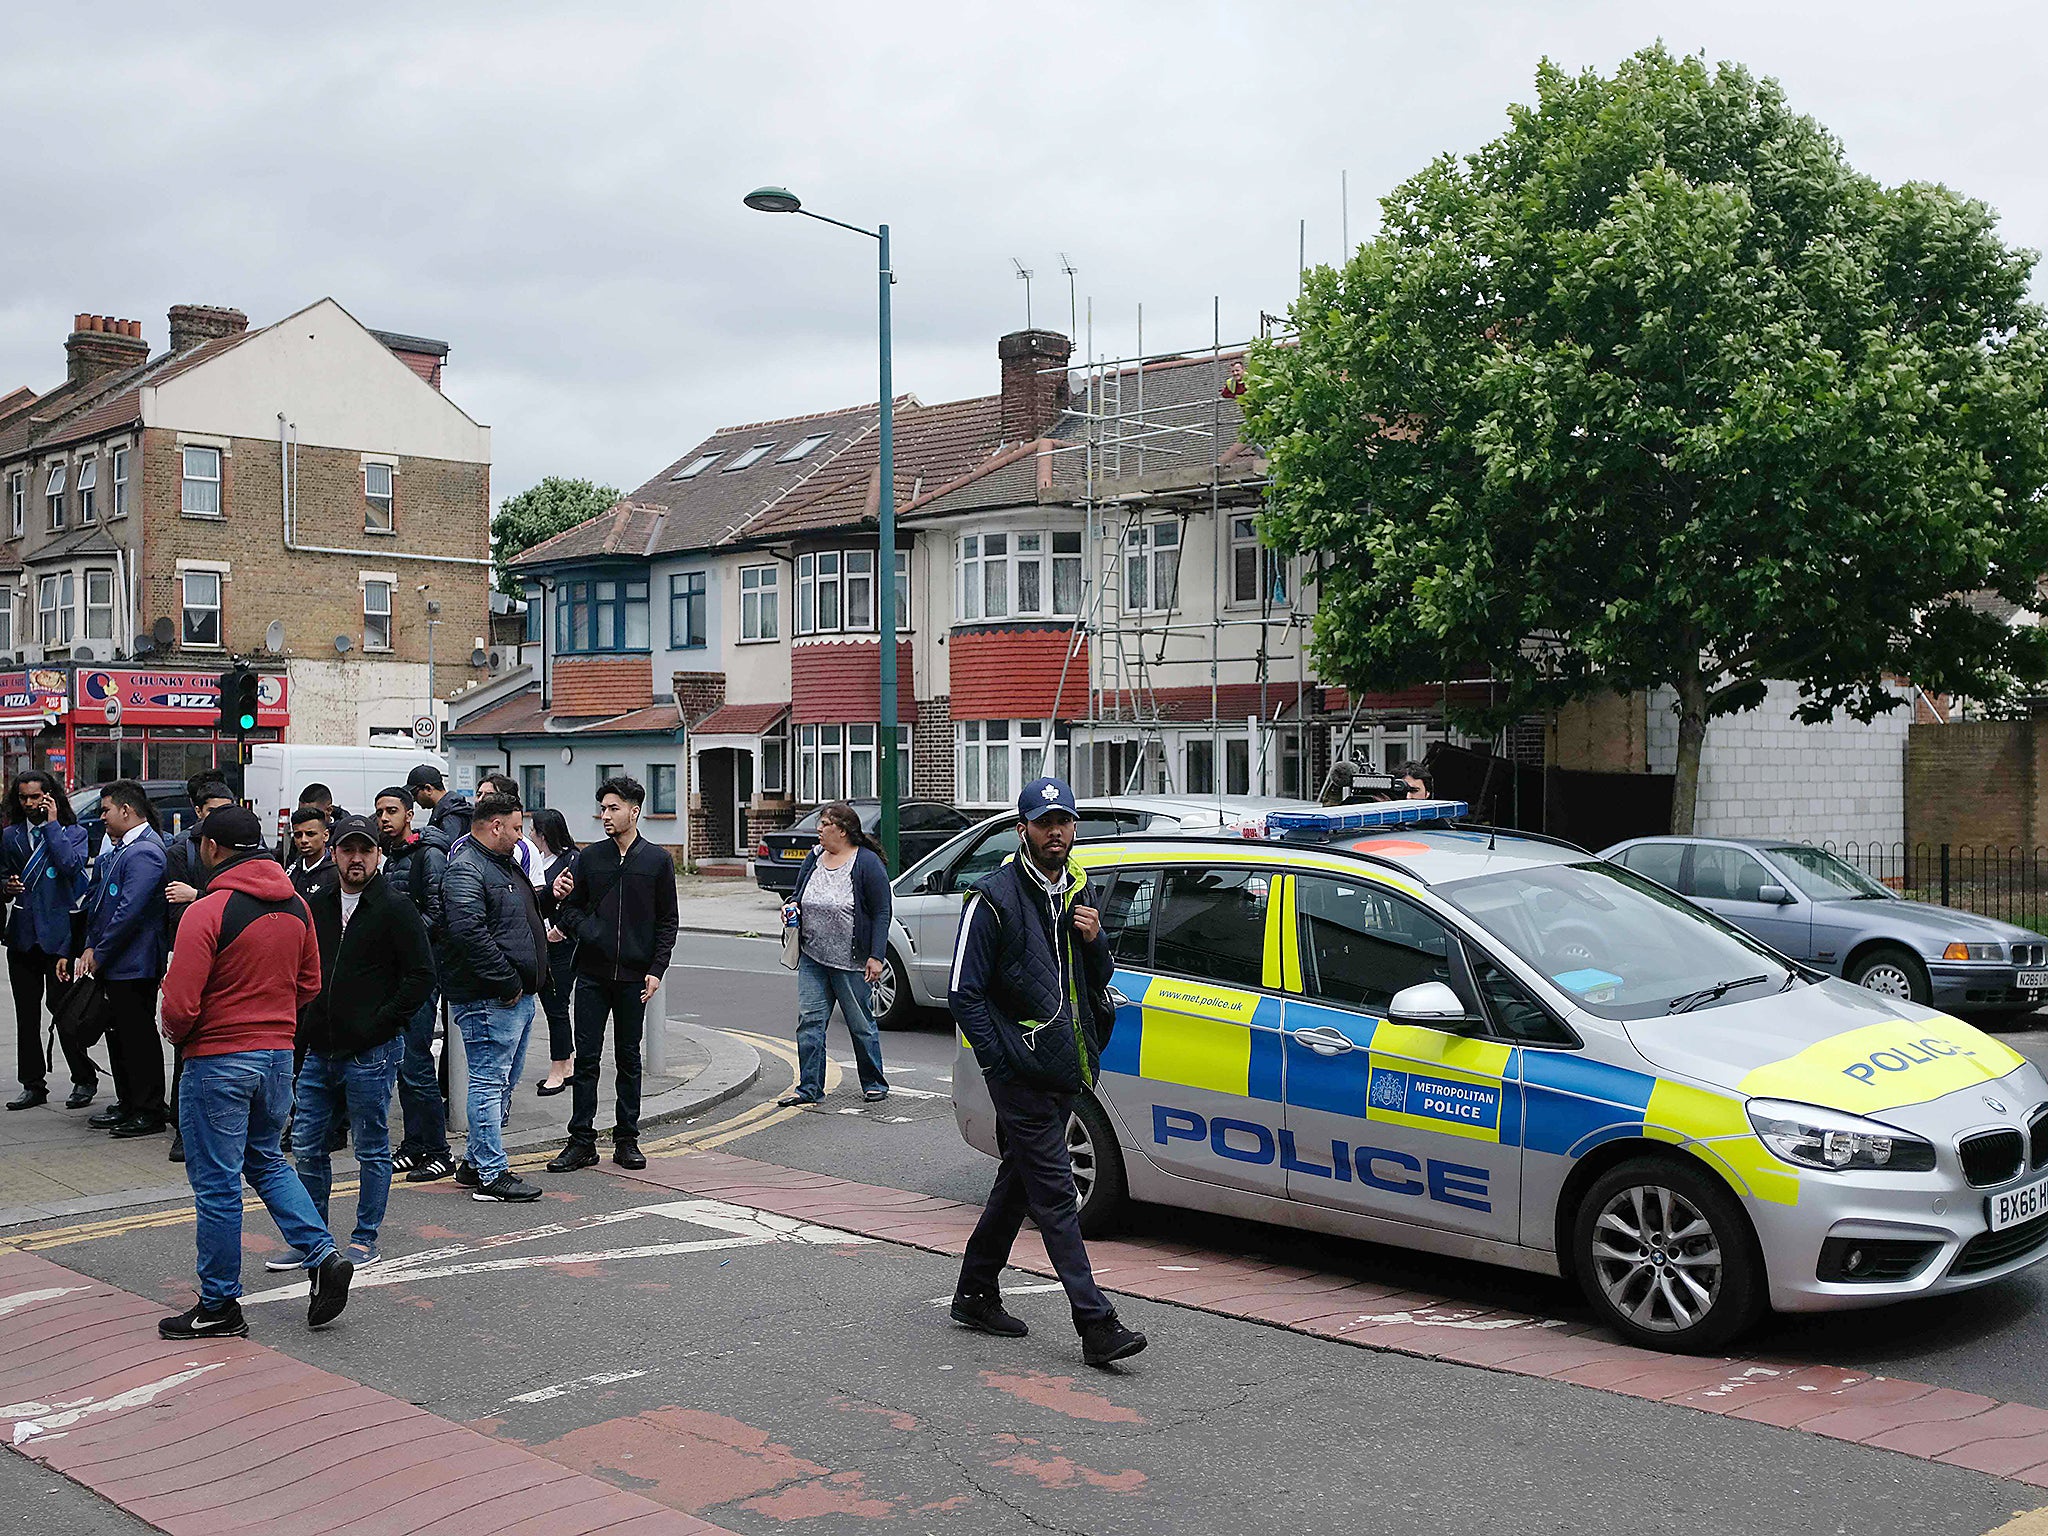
(247, 961)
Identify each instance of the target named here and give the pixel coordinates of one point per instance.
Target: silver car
(931, 895)
(1807, 903)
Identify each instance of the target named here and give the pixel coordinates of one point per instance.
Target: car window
(1127, 915)
(1360, 944)
(1656, 861)
(1726, 874)
(1823, 877)
(807, 823)
(982, 860)
(1107, 824)
(922, 818)
(1212, 925)
(1515, 1011)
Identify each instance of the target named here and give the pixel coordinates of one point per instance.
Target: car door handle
(1326, 1042)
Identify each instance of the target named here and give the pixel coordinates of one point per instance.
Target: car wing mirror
(1774, 896)
(1432, 1005)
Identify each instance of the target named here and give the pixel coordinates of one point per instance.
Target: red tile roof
(935, 445)
(626, 528)
(836, 681)
(1193, 705)
(519, 715)
(740, 719)
(600, 686)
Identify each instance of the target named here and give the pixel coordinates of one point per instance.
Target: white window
(995, 759)
(860, 589)
(201, 604)
(47, 623)
(760, 603)
(99, 605)
(17, 502)
(902, 590)
(1257, 574)
(803, 448)
(1151, 567)
(752, 456)
(199, 492)
(818, 594)
(376, 615)
(53, 495)
(1028, 574)
(120, 505)
(88, 490)
(837, 762)
(6, 619)
(774, 770)
(377, 517)
(696, 466)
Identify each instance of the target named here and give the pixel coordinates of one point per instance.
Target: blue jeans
(360, 1087)
(494, 1039)
(231, 1110)
(419, 1085)
(818, 987)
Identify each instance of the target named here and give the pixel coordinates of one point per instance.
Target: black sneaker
(577, 1154)
(507, 1187)
(109, 1117)
(203, 1322)
(985, 1314)
(1107, 1342)
(428, 1169)
(404, 1160)
(627, 1154)
(177, 1145)
(330, 1278)
(466, 1174)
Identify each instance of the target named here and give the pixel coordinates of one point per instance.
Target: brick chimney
(100, 345)
(422, 354)
(1032, 397)
(193, 323)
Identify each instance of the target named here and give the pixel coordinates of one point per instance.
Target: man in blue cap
(1030, 992)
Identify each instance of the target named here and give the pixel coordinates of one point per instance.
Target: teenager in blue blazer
(42, 869)
(124, 947)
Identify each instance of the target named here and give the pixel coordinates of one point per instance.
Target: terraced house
(302, 494)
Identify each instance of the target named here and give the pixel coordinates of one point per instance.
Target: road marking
(22, 1299)
(1010, 1290)
(33, 1419)
(1450, 1317)
(580, 1384)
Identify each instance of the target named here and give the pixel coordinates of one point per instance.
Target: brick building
(302, 495)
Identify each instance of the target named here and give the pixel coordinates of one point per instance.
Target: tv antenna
(1024, 276)
(1073, 308)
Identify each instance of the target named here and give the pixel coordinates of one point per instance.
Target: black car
(921, 826)
(173, 808)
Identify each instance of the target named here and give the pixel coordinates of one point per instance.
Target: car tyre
(899, 1008)
(1666, 1256)
(1892, 971)
(1105, 1194)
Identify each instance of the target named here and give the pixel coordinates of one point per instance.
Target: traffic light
(238, 688)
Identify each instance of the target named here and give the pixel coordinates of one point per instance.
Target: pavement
(726, 904)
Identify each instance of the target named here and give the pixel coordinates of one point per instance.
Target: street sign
(423, 730)
(112, 711)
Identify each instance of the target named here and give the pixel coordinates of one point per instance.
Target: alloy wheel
(1081, 1153)
(1657, 1258)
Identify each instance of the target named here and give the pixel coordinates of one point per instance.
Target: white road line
(22, 1299)
(580, 1384)
(34, 1419)
(1010, 1290)
(1449, 1317)
(382, 1274)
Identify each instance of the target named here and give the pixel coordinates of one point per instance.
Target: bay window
(995, 759)
(835, 593)
(601, 614)
(1031, 574)
(99, 605)
(837, 762)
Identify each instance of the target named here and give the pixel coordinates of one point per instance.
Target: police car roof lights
(1363, 818)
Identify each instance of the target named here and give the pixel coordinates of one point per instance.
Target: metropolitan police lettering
(1433, 1098)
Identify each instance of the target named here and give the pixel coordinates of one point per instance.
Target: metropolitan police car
(1501, 1047)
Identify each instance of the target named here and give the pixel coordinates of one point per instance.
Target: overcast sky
(557, 194)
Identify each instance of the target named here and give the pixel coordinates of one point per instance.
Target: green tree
(1656, 389)
(541, 512)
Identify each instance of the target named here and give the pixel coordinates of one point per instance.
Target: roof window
(804, 448)
(697, 466)
(753, 455)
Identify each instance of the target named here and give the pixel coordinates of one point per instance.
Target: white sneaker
(285, 1261)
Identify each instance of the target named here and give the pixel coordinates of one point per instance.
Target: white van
(278, 771)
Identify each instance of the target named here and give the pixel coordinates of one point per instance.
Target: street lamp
(782, 200)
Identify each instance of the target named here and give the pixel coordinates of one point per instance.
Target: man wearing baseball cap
(447, 811)
(376, 969)
(1030, 993)
(247, 961)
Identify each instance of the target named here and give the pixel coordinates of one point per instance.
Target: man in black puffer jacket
(1029, 991)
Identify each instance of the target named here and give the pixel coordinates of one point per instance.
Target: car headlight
(1962, 951)
(1813, 1137)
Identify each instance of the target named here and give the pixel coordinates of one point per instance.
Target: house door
(742, 797)
(719, 799)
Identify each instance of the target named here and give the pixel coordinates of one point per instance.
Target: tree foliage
(540, 512)
(1656, 389)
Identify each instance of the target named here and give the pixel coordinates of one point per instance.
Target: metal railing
(2009, 883)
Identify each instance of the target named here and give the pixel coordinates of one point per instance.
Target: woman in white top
(843, 903)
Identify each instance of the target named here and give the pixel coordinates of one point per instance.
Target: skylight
(753, 455)
(804, 448)
(697, 466)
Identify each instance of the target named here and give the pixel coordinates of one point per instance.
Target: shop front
(33, 705)
(167, 728)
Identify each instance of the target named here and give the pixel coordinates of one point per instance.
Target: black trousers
(33, 975)
(137, 1052)
(597, 1001)
(1036, 1179)
(557, 989)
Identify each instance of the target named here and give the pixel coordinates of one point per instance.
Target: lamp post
(782, 200)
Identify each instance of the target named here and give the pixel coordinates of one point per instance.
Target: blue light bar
(1365, 818)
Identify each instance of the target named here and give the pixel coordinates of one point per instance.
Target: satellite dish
(498, 658)
(273, 637)
(478, 658)
(163, 632)
(343, 644)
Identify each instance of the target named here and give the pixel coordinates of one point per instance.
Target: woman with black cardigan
(559, 980)
(843, 904)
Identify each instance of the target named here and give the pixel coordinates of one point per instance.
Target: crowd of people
(301, 986)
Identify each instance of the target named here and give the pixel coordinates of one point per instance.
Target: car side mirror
(1774, 896)
(1432, 1005)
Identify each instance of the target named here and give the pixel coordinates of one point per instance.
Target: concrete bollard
(458, 1071)
(654, 1035)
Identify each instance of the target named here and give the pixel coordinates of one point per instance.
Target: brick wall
(931, 751)
(1977, 783)
(698, 693)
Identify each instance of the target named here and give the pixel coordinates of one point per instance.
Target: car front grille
(2030, 954)
(1992, 1249)
(2037, 1138)
(1992, 1157)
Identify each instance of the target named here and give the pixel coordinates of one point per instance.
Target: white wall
(571, 787)
(707, 657)
(756, 672)
(1763, 774)
(335, 703)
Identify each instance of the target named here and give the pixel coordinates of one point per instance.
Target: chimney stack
(193, 323)
(100, 345)
(1032, 397)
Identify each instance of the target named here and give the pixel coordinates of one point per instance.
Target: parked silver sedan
(1807, 903)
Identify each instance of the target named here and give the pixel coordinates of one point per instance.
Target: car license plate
(2031, 979)
(2017, 1205)
(794, 853)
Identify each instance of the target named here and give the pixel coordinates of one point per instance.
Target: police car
(1498, 1046)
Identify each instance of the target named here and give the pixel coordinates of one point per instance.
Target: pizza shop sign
(175, 698)
(36, 690)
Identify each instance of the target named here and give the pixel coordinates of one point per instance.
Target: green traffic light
(248, 722)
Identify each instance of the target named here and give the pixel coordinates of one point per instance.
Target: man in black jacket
(375, 971)
(1029, 991)
(447, 812)
(618, 902)
(414, 863)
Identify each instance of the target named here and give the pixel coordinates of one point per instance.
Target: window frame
(107, 607)
(822, 745)
(53, 496)
(17, 503)
(88, 490)
(659, 774)
(118, 470)
(47, 623)
(186, 480)
(1455, 964)
(747, 458)
(695, 632)
(1044, 558)
(763, 599)
(1193, 866)
(775, 783)
(378, 584)
(804, 447)
(389, 500)
(578, 604)
(186, 608)
(1154, 554)
(1275, 588)
(698, 465)
(533, 786)
(1013, 742)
